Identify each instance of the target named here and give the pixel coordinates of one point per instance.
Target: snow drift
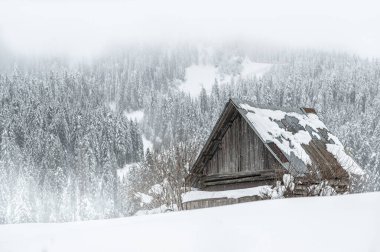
(340, 223)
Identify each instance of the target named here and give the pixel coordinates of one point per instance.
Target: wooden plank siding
(235, 157)
(217, 202)
(240, 151)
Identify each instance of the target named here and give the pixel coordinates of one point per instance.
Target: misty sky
(86, 27)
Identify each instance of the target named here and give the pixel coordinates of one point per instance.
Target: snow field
(340, 223)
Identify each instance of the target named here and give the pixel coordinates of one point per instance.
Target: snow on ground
(112, 106)
(254, 69)
(156, 189)
(198, 76)
(136, 115)
(161, 209)
(203, 76)
(147, 143)
(123, 172)
(340, 223)
(145, 198)
(234, 194)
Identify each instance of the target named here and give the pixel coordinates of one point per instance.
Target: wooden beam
(269, 177)
(240, 174)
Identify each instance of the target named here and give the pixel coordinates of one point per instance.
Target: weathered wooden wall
(217, 202)
(240, 150)
(234, 157)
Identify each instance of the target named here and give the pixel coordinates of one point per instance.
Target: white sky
(84, 27)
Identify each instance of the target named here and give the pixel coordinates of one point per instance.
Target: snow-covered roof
(302, 137)
(296, 137)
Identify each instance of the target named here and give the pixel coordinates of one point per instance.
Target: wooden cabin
(253, 146)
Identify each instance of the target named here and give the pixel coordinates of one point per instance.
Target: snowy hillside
(198, 76)
(138, 116)
(340, 223)
(62, 143)
(204, 76)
